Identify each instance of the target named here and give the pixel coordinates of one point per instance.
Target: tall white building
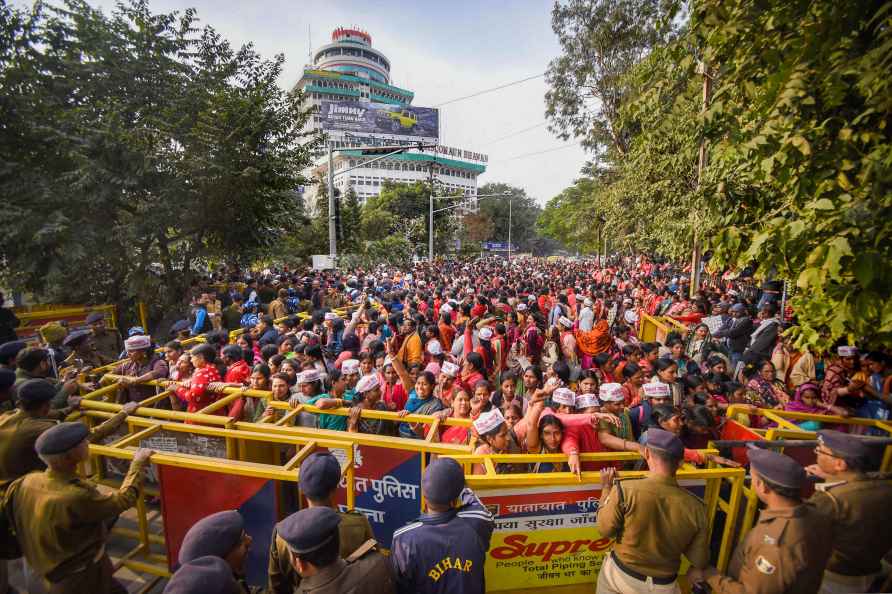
(350, 69)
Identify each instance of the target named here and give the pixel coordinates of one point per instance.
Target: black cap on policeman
(9, 350)
(61, 438)
(309, 529)
(205, 575)
(665, 441)
(75, 338)
(443, 481)
(96, 316)
(217, 535)
(776, 468)
(844, 445)
(7, 379)
(319, 475)
(35, 392)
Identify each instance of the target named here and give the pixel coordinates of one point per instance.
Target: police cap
(843, 444)
(76, 337)
(96, 316)
(179, 326)
(319, 475)
(61, 438)
(776, 468)
(7, 378)
(665, 441)
(216, 534)
(201, 576)
(9, 350)
(443, 481)
(309, 529)
(35, 391)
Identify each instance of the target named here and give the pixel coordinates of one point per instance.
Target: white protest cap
(445, 308)
(565, 322)
(138, 343)
(847, 351)
(587, 401)
(489, 421)
(329, 316)
(588, 302)
(309, 376)
(367, 382)
(450, 369)
(564, 396)
(656, 390)
(350, 366)
(485, 333)
(611, 393)
(434, 347)
(521, 307)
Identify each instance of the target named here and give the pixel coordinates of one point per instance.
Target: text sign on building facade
(398, 121)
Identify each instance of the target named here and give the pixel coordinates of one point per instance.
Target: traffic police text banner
(543, 537)
(399, 122)
(388, 488)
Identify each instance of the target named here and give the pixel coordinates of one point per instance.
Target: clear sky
(441, 50)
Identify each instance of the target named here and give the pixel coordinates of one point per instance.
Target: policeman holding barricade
(654, 522)
(787, 549)
(445, 549)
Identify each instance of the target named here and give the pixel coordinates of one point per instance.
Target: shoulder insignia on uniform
(764, 566)
(362, 550)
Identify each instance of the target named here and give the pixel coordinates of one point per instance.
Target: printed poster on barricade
(387, 488)
(544, 537)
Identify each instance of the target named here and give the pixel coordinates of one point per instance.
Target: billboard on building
(396, 121)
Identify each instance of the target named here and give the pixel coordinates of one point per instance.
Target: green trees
(797, 136)
(803, 154)
(133, 143)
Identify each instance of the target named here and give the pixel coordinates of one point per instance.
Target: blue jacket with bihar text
(444, 552)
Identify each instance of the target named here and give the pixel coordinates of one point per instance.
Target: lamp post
(432, 210)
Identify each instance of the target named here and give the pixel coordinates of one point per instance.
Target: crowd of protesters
(537, 356)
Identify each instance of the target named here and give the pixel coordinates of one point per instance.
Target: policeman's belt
(660, 581)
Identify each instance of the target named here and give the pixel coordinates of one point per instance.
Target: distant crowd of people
(535, 356)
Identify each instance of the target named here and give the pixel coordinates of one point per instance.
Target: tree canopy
(134, 142)
(797, 177)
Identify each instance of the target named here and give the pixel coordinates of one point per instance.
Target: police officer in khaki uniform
(860, 509)
(60, 519)
(220, 535)
(107, 341)
(20, 429)
(787, 549)
(313, 541)
(654, 522)
(318, 480)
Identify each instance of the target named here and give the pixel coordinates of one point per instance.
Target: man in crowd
(107, 341)
(445, 549)
(142, 364)
(737, 333)
(34, 363)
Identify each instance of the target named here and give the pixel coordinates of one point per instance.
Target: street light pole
(430, 234)
(510, 201)
(332, 235)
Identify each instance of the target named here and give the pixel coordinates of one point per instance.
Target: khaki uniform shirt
(354, 530)
(19, 433)
(861, 514)
(109, 345)
(784, 553)
(370, 574)
(655, 522)
(60, 519)
(277, 309)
